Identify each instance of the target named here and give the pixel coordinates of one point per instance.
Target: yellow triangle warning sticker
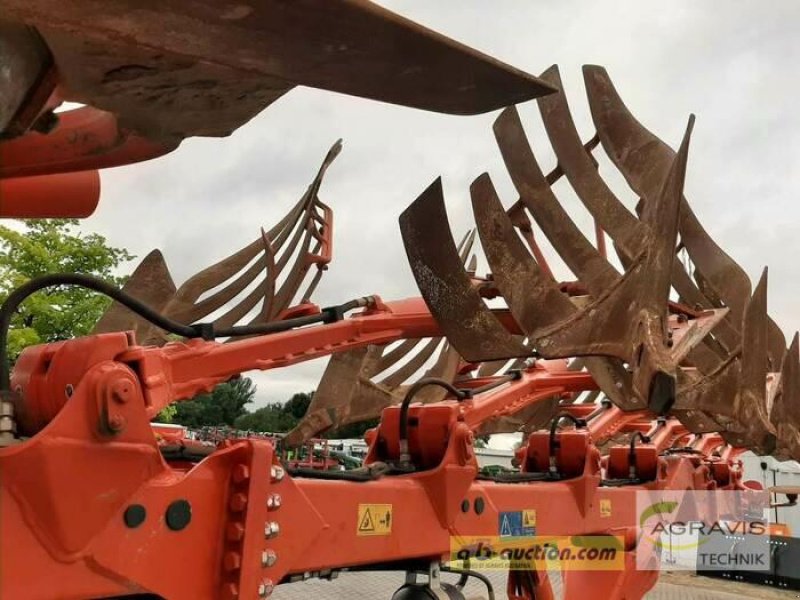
(366, 522)
(374, 519)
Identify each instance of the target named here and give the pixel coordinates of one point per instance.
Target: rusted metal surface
(449, 293)
(355, 386)
(532, 296)
(303, 235)
(734, 396)
(574, 248)
(231, 60)
(644, 159)
(24, 63)
(785, 410)
(698, 358)
(629, 321)
(628, 232)
(152, 283)
(302, 240)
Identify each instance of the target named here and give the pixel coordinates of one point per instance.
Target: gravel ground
(369, 586)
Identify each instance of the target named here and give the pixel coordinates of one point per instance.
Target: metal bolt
(268, 558)
(271, 529)
(8, 425)
(232, 561)
(274, 501)
(121, 391)
(69, 390)
(240, 473)
(277, 472)
(265, 588)
(116, 423)
(230, 591)
(238, 502)
(234, 532)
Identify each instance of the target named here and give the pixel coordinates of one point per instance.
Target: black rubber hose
(632, 451)
(579, 423)
(16, 298)
(203, 330)
(412, 391)
(470, 573)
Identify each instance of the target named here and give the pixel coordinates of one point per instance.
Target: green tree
(223, 406)
(45, 246)
(272, 418)
(298, 404)
(276, 417)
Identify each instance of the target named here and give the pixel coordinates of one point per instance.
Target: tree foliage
(223, 406)
(46, 246)
(280, 418)
(276, 417)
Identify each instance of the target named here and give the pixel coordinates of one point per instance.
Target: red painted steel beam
(59, 196)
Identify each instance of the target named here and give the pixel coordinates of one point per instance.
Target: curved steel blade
(344, 394)
(644, 159)
(629, 234)
(785, 414)
(533, 298)
(458, 309)
(581, 171)
(531, 418)
(734, 396)
(629, 321)
(577, 252)
(151, 282)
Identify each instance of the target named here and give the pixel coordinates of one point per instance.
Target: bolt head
(232, 561)
(121, 391)
(238, 502)
(234, 532)
(271, 529)
(230, 591)
(274, 501)
(240, 473)
(265, 588)
(277, 472)
(268, 558)
(116, 423)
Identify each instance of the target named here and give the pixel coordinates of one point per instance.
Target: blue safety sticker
(512, 524)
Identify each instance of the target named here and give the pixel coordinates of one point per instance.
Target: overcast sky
(732, 63)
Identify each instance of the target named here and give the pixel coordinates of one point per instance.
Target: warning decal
(516, 523)
(529, 518)
(374, 519)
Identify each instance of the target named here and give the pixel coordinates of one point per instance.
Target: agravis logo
(696, 530)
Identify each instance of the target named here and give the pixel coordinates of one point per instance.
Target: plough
(639, 375)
